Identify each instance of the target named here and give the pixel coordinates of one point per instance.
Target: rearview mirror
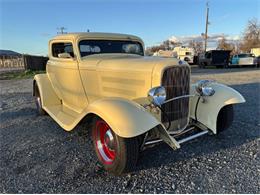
(64, 55)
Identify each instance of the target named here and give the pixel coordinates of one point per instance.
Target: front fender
(207, 112)
(126, 118)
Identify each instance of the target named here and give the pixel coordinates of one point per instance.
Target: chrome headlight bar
(157, 95)
(203, 87)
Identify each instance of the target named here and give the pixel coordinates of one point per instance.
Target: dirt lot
(37, 156)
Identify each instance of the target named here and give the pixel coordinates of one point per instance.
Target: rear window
(89, 47)
(58, 48)
(245, 55)
(208, 55)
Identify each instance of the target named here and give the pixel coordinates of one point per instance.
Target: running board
(181, 141)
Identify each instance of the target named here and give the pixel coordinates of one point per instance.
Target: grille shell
(176, 81)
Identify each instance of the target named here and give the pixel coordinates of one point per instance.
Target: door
(63, 72)
(234, 60)
(208, 57)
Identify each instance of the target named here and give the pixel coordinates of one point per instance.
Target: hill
(9, 53)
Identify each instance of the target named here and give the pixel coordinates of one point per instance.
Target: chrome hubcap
(105, 142)
(109, 140)
(38, 100)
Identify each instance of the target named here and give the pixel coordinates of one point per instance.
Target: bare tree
(165, 45)
(251, 36)
(152, 49)
(224, 45)
(197, 46)
(168, 45)
(237, 47)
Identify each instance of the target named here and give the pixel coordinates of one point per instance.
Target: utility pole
(207, 23)
(61, 29)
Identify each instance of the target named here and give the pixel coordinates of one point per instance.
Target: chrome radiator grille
(176, 81)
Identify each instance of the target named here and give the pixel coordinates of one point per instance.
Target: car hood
(126, 75)
(128, 62)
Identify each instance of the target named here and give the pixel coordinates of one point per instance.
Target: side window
(59, 48)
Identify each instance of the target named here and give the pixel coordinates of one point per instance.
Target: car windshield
(89, 47)
(245, 55)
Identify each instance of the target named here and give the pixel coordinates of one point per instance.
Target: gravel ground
(37, 156)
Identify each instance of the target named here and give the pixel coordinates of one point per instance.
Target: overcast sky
(27, 25)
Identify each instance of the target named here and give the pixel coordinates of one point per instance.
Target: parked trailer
(218, 58)
(185, 53)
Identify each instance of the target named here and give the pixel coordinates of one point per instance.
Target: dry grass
(27, 74)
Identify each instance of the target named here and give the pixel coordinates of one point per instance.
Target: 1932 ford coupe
(133, 101)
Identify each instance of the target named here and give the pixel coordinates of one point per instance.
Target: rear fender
(45, 90)
(207, 111)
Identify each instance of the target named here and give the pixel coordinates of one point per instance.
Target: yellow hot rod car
(133, 101)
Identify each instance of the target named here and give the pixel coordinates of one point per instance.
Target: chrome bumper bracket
(186, 139)
(171, 138)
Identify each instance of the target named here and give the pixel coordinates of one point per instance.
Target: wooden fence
(35, 62)
(27, 62)
(11, 62)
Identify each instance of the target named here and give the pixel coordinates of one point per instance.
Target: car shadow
(243, 130)
(47, 138)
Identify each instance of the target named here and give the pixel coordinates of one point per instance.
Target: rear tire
(116, 154)
(38, 102)
(202, 65)
(225, 118)
(226, 66)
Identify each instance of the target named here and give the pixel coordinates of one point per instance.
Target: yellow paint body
(113, 87)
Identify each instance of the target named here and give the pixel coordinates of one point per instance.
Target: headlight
(203, 88)
(157, 95)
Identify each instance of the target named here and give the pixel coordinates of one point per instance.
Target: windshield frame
(134, 41)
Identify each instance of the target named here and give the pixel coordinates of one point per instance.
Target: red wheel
(116, 154)
(105, 142)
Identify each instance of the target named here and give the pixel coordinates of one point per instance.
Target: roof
(95, 35)
(9, 53)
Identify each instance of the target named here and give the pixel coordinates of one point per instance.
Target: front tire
(226, 65)
(225, 118)
(202, 65)
(116, 154)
